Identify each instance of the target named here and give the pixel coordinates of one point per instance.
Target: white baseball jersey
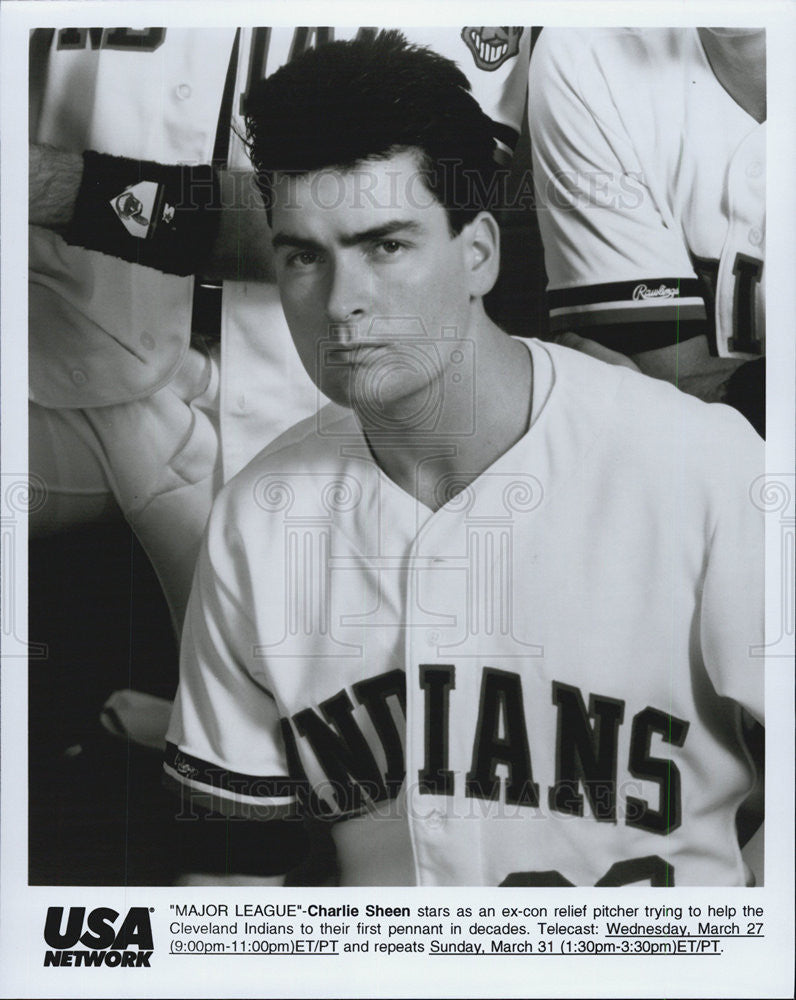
(650, 182)
(111, 360)
(538, 684)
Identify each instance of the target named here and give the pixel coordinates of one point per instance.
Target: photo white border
(751, 969)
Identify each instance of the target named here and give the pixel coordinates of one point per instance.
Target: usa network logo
(104, 939)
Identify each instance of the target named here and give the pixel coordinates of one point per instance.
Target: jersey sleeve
(732, 615)
(102, 330)
(618, 268)
(224, 745)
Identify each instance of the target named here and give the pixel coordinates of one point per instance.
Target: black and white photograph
(399, 527)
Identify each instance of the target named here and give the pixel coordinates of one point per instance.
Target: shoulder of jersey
(627, 53)
(304, 440)
(617, 41)
(649, 412)
(310, 444)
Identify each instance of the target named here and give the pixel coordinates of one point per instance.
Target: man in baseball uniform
(649, 167)
(151, 389)
(481, 614)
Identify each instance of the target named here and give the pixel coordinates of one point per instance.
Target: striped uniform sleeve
(225, 751)
(618, 268)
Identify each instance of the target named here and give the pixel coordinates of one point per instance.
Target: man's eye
(304, 258)
(389, 247)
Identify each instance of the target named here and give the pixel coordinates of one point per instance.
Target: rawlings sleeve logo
(183, 767)
(643, 292)
(491, 47)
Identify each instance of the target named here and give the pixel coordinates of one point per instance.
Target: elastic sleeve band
(165, 217)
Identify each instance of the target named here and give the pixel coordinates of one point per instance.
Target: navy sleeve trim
(197, 800)
(189, 768)
(642, 291)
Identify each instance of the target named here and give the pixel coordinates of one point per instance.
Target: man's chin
(337, 389)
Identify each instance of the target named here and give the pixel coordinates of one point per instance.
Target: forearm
(690, 366)
(53, 182)
(241, 250)
(734, 381)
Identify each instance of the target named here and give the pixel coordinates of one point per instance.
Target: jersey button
(79, 377)
(755, 236)
(754, 169)
(434, 819)
(147, 340)
(184, 91)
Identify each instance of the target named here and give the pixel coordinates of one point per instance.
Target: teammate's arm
(620, 276)
(53, 182)
(213, 849)
(273, 853)
(241, 250)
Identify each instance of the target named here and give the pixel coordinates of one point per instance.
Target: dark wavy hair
(346, 102)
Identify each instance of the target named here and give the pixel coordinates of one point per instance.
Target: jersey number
(303, 38)
(652, 868)
(139, 40)
(747, 271)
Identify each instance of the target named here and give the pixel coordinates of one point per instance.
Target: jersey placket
(434, 847)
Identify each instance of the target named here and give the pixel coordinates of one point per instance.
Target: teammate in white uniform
(649, 166)
(125, 403)
(482, 612)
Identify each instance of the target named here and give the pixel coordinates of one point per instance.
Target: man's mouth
(349, 352)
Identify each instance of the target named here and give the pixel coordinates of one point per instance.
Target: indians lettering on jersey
(514, 656)
(347, 776)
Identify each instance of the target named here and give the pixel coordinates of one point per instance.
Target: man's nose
(349, 290)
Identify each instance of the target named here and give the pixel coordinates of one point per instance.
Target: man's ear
(482, 253)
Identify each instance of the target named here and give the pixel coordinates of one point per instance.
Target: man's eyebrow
(379, 232)
(298, 242)
(287, 239)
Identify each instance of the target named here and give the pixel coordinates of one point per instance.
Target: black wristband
(746, 391)
(165, 217)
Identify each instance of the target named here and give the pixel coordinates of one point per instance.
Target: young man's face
(370, 278)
